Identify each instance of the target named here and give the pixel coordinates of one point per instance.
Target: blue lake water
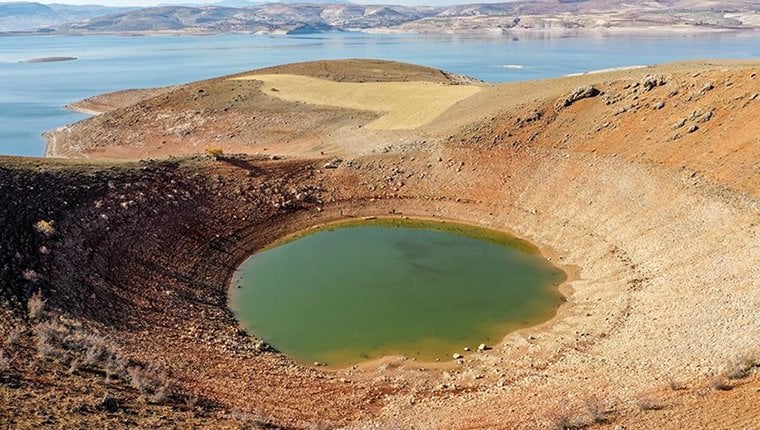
(32, 96)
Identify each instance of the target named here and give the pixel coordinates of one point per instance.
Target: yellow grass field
(406, 105)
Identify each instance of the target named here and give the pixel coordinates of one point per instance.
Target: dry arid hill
(643, 184)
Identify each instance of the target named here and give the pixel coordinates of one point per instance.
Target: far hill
(268, 18)
(329, 15)
(20, 16)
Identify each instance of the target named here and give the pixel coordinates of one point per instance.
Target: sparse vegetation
(45, 227)
(321, 426)
(598, 409)
(720, 383)
(14, 337)
(215, 152)
(151, 381)
(647, 403)
(252, 420)
(81, 350)
(741, 367)
(30, 275)
(5, 363)
(676, 385)
(563, 417)
(36, 306)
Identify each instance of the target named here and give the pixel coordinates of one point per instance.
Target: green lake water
(349, 293)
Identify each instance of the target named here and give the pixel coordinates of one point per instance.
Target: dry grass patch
(69, 344)
(5, 363)
(720, 383)
(566, 417)
(36, 306)
(405, 105)
(676, 385)
(741, 367)
(647, 403)
(45, 227)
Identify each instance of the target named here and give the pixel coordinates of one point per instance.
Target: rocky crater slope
(644, 184)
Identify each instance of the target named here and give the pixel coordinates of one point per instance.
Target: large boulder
(578, 94)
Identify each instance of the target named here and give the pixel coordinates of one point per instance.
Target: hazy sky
(157, 2)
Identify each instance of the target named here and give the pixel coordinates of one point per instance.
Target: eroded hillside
(642, 184)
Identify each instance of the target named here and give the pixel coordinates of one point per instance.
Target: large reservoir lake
(32, 95)
(424, 290)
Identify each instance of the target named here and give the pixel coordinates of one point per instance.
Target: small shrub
(30, 275)
(74, 365)
(14, 337)
(151, 382)
(45, 227)
(5, 363)
(598, 410)
(742, 367)
(322, 426)
(720, 383)
(49, 336)
(216, 153)
(649, 404)
(256, 421)
(563, 418)
(192, 400)
(36, 306)
(161, 394)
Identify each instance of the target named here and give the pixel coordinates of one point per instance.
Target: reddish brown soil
(659, 231)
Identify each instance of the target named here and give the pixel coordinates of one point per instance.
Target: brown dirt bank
(663, 234)
(107, 102)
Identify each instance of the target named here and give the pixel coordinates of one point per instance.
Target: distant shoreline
(611, 69)
(483, 31)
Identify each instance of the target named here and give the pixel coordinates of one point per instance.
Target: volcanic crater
(642, 184)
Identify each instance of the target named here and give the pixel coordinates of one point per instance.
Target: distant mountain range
(29, 16)
(294, 16)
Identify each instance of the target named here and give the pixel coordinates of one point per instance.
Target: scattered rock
(457, 356)
(679, 124)
(109, 404)
(332, 164)
(659, 105)
(651, 81)
(262, 346)
(535, 116)
(483, 347)
(466, 348)
(692, 129)
(704, 117)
